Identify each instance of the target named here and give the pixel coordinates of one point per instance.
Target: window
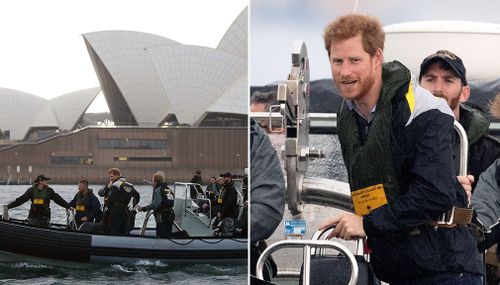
(132, 144)
(71, 160)
(143, 158)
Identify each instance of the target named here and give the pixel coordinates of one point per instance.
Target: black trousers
(115, 221)
(42, 222)
(164, 223)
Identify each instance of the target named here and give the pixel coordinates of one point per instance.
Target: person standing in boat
(229, 204)
(267, 196)
(396, 140)
(117, 217)
(196, 190)
(217, 205)
(86, 205)
(443, 74)
(40, 195)
(212, 191)
(162, 203)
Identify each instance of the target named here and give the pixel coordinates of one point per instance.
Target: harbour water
(17, 269)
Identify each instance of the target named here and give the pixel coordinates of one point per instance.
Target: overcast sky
(42, 51)
(276, 24)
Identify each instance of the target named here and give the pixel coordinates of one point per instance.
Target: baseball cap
(41, 178)
(448, 58)
(227, 174)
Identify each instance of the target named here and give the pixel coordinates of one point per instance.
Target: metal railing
(145, 223)
(307, 246)
(327, 121)
(187, 198)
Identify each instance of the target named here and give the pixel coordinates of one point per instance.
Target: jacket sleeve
(58, 199)
(21, 199)
(267, 190)
(136, 196)
(487, 195)
(432, 184)
(103, 191)
(156, 200)
(229, 199)
(73, 202)
(112, 193)
(95, 207)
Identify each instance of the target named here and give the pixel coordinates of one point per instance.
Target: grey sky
(43, 52)
(276, 24)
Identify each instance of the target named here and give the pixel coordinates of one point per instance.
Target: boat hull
(60, 244)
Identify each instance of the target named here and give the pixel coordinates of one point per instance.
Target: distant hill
(325, 97)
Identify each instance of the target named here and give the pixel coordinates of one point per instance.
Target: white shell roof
(156, 76)
(122, 52)
(45, 117)
(232, 100)
(195, 77)
(20, 111)
(17, 111)
(235, 40)
(68, 107)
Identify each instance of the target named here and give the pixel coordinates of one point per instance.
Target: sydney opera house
(174, 107)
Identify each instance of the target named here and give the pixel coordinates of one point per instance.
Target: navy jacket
(92, 209)
(405, 245)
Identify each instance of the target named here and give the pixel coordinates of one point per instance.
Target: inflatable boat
(194, 239)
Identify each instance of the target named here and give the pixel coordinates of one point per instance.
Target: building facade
(138, 152)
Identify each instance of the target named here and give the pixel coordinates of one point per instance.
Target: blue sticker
(295, 227)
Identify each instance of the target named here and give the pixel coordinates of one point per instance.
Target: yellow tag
(219, 200)
(38, 201)
(367, 199)
(80, 208)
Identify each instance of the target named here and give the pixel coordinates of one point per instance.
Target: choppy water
(330, 167)
(16, 269)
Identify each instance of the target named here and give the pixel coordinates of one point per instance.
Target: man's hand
(347, 226)
(466, 182)
(83, 219)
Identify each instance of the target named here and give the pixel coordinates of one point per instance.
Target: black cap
(448, 58)
(198, 171)
(41, 178)
(227, 174)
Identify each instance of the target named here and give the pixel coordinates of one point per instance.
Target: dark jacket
(483, 148)
(92, 207)
(44, 210)
(212, 187)
(212, 193)
(267, 189)
(117, 219)
(404, 244)
(196, 179)
(161, 200)
(196, 190)
(229, 201)
(120, 192)
(486, 197)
